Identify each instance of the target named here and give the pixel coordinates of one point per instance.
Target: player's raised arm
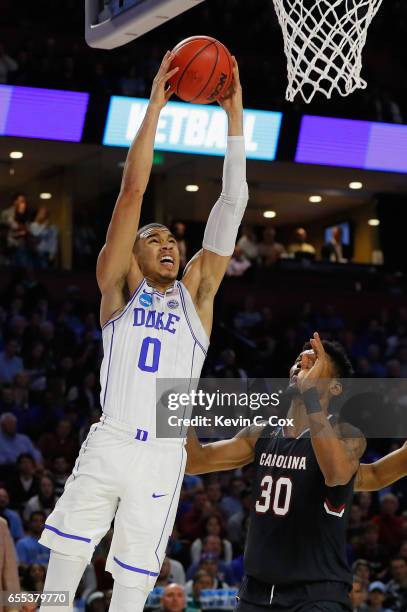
(116, 259)
(222, 455)
(206, 270)
(338, 450)
(384, 472)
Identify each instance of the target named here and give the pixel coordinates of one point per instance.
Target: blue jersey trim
(170, 506)
(135, 294)
(67, 535)
(108, 367)
(131, 568)
(184, 308)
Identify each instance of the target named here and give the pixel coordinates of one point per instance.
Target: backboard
(112, 23)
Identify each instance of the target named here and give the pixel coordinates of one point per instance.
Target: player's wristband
(311, 401)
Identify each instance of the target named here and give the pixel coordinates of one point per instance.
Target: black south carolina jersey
(297, 530)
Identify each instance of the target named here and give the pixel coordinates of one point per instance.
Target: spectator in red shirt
(192, 524)
(62, 443)
(391, 526)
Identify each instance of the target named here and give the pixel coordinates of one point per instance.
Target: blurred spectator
(61, 443)
(29, 550)
(12, 517)
(19, 243)
(219, 572)
(238, 263)
(232, 504)
(191, 524)
(202, 581)
(23, 484)
(397, 587)
(300, 245)
(376, 597)
(44, 501)
(13, 444)
(34, 578)
(335, 250)
(171, 571)
(173, 599)
(391, 526)
(270, 251)
(61, 471)
(247, 243)
(178, 229)
(213, 528)
(7, 65)
(249, 317)
(9, 580)
(229, 368)
(10, 362)
(46, 238)
(362, 570)
(358, 596)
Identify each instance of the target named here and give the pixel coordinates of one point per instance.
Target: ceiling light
(192, 188)
(269, 214)
(374, 222)
(45, 195)
(16, 154)
(355, 185)
(315, 199)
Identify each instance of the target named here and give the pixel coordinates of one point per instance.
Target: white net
(323, 42)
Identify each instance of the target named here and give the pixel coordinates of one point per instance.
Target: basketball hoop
(323, 42)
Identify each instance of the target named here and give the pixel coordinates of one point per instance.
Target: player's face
(158, 256)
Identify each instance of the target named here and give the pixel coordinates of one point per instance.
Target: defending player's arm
(338, 450)
(222, 455)
(205, 271)
(382, 473)
(116, 262)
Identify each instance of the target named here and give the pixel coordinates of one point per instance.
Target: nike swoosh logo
(156, 496)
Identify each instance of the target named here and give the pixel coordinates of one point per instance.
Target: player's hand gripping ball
(205, 70)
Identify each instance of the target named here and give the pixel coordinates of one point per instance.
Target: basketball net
(323, 42)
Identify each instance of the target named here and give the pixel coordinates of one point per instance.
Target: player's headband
(147, 230)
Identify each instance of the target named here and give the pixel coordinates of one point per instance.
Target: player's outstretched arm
(116, 257)
(205, 271)
(222, 455)
(382, 473)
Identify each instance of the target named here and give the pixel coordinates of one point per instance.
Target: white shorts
(135, 482)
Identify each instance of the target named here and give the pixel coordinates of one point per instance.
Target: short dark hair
(337, 353)
(25, 456)
(145, 228)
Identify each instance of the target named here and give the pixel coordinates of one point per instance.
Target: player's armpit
(382, 473)
(222, 455)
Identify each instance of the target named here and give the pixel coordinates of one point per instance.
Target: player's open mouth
(167, 261)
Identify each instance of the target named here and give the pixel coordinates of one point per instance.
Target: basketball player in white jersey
(153, 327)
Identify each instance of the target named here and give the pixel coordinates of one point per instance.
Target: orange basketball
(205, 69)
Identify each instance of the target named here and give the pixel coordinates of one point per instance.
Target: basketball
(205, 69)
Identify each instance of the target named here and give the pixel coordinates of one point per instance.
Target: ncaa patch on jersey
(173, 304)
(146, 300)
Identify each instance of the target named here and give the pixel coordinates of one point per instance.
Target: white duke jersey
(156, 336)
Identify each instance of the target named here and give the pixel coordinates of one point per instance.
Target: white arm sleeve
(226, 216)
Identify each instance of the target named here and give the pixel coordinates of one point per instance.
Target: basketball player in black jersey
(305, 476)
